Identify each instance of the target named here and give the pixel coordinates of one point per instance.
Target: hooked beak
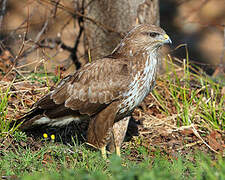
(167, 39)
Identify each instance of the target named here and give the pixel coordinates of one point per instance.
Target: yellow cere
(45, 135)
(53, 137)
(166, 36)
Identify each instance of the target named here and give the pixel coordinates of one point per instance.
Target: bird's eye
(153, 34)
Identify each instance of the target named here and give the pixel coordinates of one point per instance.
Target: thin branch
(2, 11)
(28, 51)
(79, 14)
(20, 50)
(55, 10)
(223, 51)
(41, 32)
(81, 26)
(88, 4)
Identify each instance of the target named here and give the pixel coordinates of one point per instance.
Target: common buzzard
(106, 91)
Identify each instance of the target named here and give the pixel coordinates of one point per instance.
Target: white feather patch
(62, 121)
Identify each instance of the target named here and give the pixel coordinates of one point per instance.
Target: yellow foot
(103, 152)
(118, 151)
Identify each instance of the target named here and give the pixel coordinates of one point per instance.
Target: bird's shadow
(73, 133)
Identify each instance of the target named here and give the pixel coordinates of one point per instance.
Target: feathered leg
(119, 132)
(101, 126)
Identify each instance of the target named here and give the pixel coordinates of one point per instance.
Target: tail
(27, 121)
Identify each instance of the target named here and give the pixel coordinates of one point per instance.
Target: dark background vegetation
(199, 24)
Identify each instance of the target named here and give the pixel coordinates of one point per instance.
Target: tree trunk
(112, 19)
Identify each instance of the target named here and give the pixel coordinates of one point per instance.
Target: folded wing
(91, 88)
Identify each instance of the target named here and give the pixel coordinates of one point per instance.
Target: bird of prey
(104, 92)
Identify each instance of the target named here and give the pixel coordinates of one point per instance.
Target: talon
(118, 151)
(103, 152)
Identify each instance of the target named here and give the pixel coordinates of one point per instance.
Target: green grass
(4, 123)
(196, 97)
(64, 162)
(41, 77)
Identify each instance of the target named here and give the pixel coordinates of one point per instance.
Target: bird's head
(142, 38)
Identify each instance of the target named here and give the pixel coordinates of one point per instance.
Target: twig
(77, 13)
(26, 90)
(189, 145)
(65, 24)
(80, 22)
(25, 53)
(2, 11)
(28, 64)
(223, 51)
(55, 10)
(198, 135)
(89, 3)
(20, 50)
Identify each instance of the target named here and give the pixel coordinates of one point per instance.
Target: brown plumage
(104, 92)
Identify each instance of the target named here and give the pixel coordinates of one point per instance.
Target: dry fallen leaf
(215, 140)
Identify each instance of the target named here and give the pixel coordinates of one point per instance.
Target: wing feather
(93, 87)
